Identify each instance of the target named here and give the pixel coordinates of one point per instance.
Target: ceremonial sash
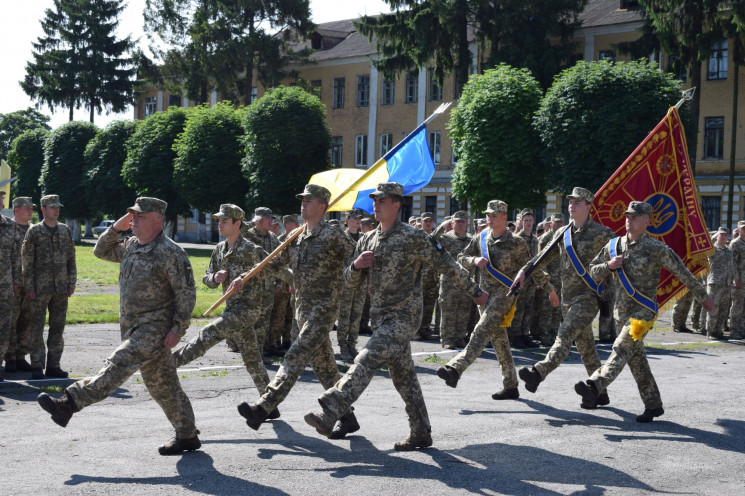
(577, 263)
(630, 290)
(506, 281)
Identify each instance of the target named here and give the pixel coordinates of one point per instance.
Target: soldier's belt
(627, 286)
(577, 264)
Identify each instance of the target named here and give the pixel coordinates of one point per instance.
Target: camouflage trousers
(19, 327)
(524, 312)
(455, 307)
(264, 320)
(575, 328)
(717, 320)
(698, 316)
(489, 329)
(681, 309)
(312, 345)
(280, 320)
(429, 294)
(57, 306)
(549, 318)
(389, 346)
(6, 317)
(350, 315)
(237, 323)
(737, 312)
(626, 350)
(141, 349)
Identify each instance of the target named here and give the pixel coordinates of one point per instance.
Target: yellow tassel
(639, 328)
(507, 320)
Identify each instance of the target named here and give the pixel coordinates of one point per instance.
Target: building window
(363, 91)
(434, 146)
(435, 87)
(150, 105)
(336, 150)
(407, 209)
(338, 93)
(455, 205)
(316, 83)
(714, 137)
(389, 91)
(453, 155)
(174, 100)
(386, 143)
(539, 213)
(607, 55)
(412, 87)
(254, 94)
(711, 206)
(360, 150)
(718, 61)
(430, 205)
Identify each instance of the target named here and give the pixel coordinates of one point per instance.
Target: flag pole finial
(686, 96)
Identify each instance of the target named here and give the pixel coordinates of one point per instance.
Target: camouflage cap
(582, 194)
(557, 218)
(387, 189)
(229, 211)
(412, 218)
(496, 207)
(145, 204)
(275, 221)
(460, 215)
(740, 223)
(481, 222)
(334, 222)
(639, 208)
(526, 211)
(263, 212)
(427, 215)
(314, 191)
(722, 230)
(448, 218)
(289, 218)
(367, 221)
(355, 213)
(23, 201)
(50, 201)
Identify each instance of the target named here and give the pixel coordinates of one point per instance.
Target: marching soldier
(283, 324)
(636, 260)
(15, 357)
(10, 276)
(720, 281)
(737, 319)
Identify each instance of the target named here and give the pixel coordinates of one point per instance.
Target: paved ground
(542, 443)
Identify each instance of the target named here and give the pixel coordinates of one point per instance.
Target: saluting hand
(123, 223)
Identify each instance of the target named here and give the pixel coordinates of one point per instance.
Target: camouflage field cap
(314, 191)
(496, 207)
(387, 189)
(355, 213)
(334, 222)
(460, 215)
(526, 211)
(263, 212)
(367, 221)
(50, 201)
(481, 222)
(229, 211)
(639, 208)
(427, 215)
(740, 223)
(582, 194)
(145, 204)
(722, 230)
(23, 201)
(289, 218)
(412, 219)
(557, 218)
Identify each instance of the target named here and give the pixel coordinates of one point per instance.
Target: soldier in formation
(737, 317)
(10, 276)
(549, 316)
(720, 282)
(520, 330)
(430, 284)
(352, 299)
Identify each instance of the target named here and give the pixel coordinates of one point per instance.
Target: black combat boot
(176, 446)
(414, 441)
(347, 424)
(531, 377)
(449, 375)
(254, 415)
(61, 409)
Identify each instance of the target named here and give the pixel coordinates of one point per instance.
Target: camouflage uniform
(643, 259)
(549, 316)
(680, 311)
(157, 296)
(18, 345)
(396, 279)
(698, 314)
(10, 276)
(719, 283)
(737, 319)
(430, 290)
(49, 270)
(350, 310)
(455, 304)
(525, 304)
(579, 301)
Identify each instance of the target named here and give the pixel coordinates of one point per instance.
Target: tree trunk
(88, 229)
(76, 230)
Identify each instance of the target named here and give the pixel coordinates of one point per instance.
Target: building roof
(609, 12)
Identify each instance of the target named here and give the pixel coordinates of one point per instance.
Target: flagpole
(686, 97)
(442, 108)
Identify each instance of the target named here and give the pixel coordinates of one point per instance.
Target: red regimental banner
(659, 173)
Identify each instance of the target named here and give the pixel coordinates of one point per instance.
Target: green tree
(26, 158)
(287, 141)
(14, 124)
(207, 170)
(79, 61)
(596, 113)
(104, 157)
(148, 168)
(497, 149)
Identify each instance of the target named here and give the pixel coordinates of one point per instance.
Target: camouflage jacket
(737, 246)
(156, 282)
(531, 240)
(268, 242)
(643, 260)
(553, 268)
(10, 253)
(507, 253)
(49, 260)
(588, 240)
(400, 255)
(453, 244)
(722, 266)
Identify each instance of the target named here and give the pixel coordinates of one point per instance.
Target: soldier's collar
(148, 247)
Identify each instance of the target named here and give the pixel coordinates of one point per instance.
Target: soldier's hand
(364, 261)
(171, 340)
(236, 285)
(481, 300)
(553, 298)
(70, 292)
(220, 276)
(481, 262)
(708, 304)
(123, 223)
(31, 295)
(519, 279)
(616, 262)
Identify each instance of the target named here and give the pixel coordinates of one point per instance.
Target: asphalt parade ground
(542, 443)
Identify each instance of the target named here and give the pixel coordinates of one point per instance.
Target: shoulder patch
(437, 245)
(189, 273)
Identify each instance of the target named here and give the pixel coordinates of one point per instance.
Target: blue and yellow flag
(409, 163)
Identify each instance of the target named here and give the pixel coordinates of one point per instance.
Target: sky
(20, 26)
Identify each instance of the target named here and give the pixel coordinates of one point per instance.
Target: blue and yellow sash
(630, 290)
(505, 280)
(577, 263)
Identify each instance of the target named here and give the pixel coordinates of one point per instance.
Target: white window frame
(360, 150)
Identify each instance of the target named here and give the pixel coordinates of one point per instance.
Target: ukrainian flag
(409, 163)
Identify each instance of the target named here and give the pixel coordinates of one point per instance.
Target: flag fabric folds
(659, 172)
(409, 163)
